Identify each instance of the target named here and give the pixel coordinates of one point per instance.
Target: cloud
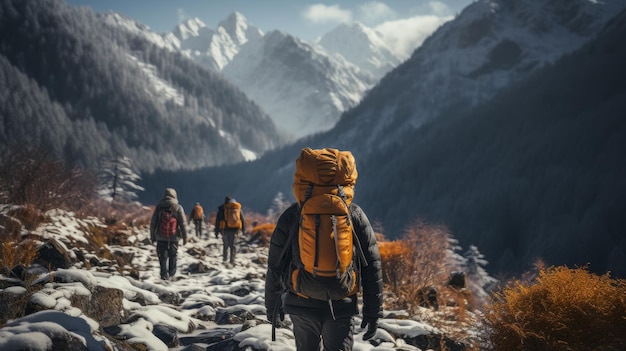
(374, 12)
(439, 8)
(320, 13)
(405, 35)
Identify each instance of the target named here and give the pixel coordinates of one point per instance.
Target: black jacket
(371, 275)
(220, 217)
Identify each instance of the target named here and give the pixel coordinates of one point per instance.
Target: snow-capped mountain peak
(362, 46)
(191, 28)
(321, 79)
(303, 88)
(239, 30)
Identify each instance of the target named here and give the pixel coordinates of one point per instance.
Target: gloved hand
(184, 241)
(371, 325)
(216, 235)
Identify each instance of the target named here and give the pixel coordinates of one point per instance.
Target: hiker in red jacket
(166, 227)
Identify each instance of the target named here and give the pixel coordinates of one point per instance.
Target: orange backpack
(323, 265)
(198, 213)
(232, 215)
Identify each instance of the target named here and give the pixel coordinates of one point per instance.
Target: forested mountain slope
(490, 45)
(80, 88)
(537, 172)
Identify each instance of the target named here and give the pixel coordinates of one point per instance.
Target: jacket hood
(169, 197)
(170, 192)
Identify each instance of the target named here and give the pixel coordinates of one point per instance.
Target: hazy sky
(412, 20)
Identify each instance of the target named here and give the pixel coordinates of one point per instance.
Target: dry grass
(31, 176)
(14, 254)
(131, 214)
(262, 233)
(561, 309)
(416, 262)
(393, 255)
(29, 216)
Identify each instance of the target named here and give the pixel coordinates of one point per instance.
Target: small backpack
(198, 213)
(167, 221)
(323, 261)
(232, 215)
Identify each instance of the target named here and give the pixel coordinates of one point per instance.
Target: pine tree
(118, 180)
(479, 281)
(279, 204)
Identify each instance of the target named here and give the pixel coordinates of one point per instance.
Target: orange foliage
(416, 262)
(262, 233)
(393, 255)
(13, 254)
(562, 309)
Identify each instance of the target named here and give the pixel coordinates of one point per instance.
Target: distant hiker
(229, 222)
(322, 251)
(166, 227)
(197, 215)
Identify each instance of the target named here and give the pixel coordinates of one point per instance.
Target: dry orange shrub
(393, 254)
(562, 309)
(14, 254)
(415, 262)
(262, 233)
(428, 244)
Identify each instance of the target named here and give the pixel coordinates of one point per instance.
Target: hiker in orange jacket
(230, 223)
(197, 215)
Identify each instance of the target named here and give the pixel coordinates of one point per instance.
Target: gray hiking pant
(335, 334)
(198, 224)
(228, 237)
(166, 251)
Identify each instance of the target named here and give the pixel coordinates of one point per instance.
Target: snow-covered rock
(89, 307)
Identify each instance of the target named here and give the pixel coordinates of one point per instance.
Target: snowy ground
(199, 297)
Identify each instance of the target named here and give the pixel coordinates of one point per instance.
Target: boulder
(54, 255)
(167, 334)
(457, 280)
(232, 315)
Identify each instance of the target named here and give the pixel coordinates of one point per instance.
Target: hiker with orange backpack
(197, 215)
(230, 223)
(323, 251)
(166, 227)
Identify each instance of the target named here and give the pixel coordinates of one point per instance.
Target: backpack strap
(333, 220)
(359, 248)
